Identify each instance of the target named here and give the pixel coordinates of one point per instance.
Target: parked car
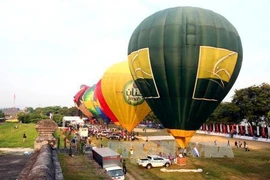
(154, 161)
(150, 125)
(159, 126)
(134, 138)
(142, 125)
(104, 133)
(114, 136)
(88, 149)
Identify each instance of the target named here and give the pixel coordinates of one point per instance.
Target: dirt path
(12, 165)
(129, 177)
(15, 151)
(141, 130)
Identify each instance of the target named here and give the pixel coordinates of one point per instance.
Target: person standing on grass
(240, 144)
(124, 166)
(131, 153)
(24, 137)
(185, 152)
(215, 142)
(65, 142)
(246, 147)
(236, 145)
(228, 143)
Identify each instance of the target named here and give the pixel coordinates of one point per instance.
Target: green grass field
(11, 137)
(252, 165)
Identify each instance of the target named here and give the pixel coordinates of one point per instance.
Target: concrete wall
(43, 164)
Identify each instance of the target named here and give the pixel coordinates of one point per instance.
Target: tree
(34, 115)
(29, 109)
(2, 114)
(23, 117)
(152, 117)
(253, 102)
(64, 111)
(225, 113)
(58, 119)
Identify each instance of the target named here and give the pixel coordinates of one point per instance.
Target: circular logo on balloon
(132, 94)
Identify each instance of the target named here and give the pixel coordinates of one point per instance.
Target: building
(10, 112)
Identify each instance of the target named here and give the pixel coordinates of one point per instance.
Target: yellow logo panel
(139, 63)
(140, 68)
(216, 63)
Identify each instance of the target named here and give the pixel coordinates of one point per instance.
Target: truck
(83, 132)
(109, 160)
(154, 161)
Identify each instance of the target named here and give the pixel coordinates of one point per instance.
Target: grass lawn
(79, 167)
(11, 137)
(251, 165)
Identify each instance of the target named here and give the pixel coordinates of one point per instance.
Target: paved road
(12, 165)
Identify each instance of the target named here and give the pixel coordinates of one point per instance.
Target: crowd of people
(239, 145)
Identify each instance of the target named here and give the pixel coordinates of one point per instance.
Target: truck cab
(109, 160)
(115, 172)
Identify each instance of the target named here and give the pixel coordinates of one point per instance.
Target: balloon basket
(181, 161)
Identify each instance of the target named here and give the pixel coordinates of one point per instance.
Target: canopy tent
(72, 120)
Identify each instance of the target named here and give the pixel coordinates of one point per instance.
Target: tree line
(252, 104)
(31, 115)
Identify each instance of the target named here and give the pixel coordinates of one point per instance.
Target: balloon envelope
(184, 60)
(101, 114)
(103, 104)
(123, 97)
(78, 101)
(88, 100)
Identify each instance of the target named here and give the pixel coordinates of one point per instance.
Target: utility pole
(14, 99)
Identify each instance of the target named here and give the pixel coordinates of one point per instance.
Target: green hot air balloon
(184, 61)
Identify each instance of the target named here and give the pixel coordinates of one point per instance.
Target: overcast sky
(49, 48)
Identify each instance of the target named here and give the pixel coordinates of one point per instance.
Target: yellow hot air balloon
(123, 97)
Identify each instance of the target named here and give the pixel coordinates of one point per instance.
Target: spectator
(131, 152)
(24, 137)
(235, 144)
(240, 144)
(170, 158)
(158, 144)
(246, 147)
(70, 150)
(65, 142)
(124, 166)
(185, 152)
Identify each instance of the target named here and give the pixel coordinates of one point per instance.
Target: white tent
(72, 120)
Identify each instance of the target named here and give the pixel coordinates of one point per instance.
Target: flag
(14, 96)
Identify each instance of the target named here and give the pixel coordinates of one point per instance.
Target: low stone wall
(43, 165)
